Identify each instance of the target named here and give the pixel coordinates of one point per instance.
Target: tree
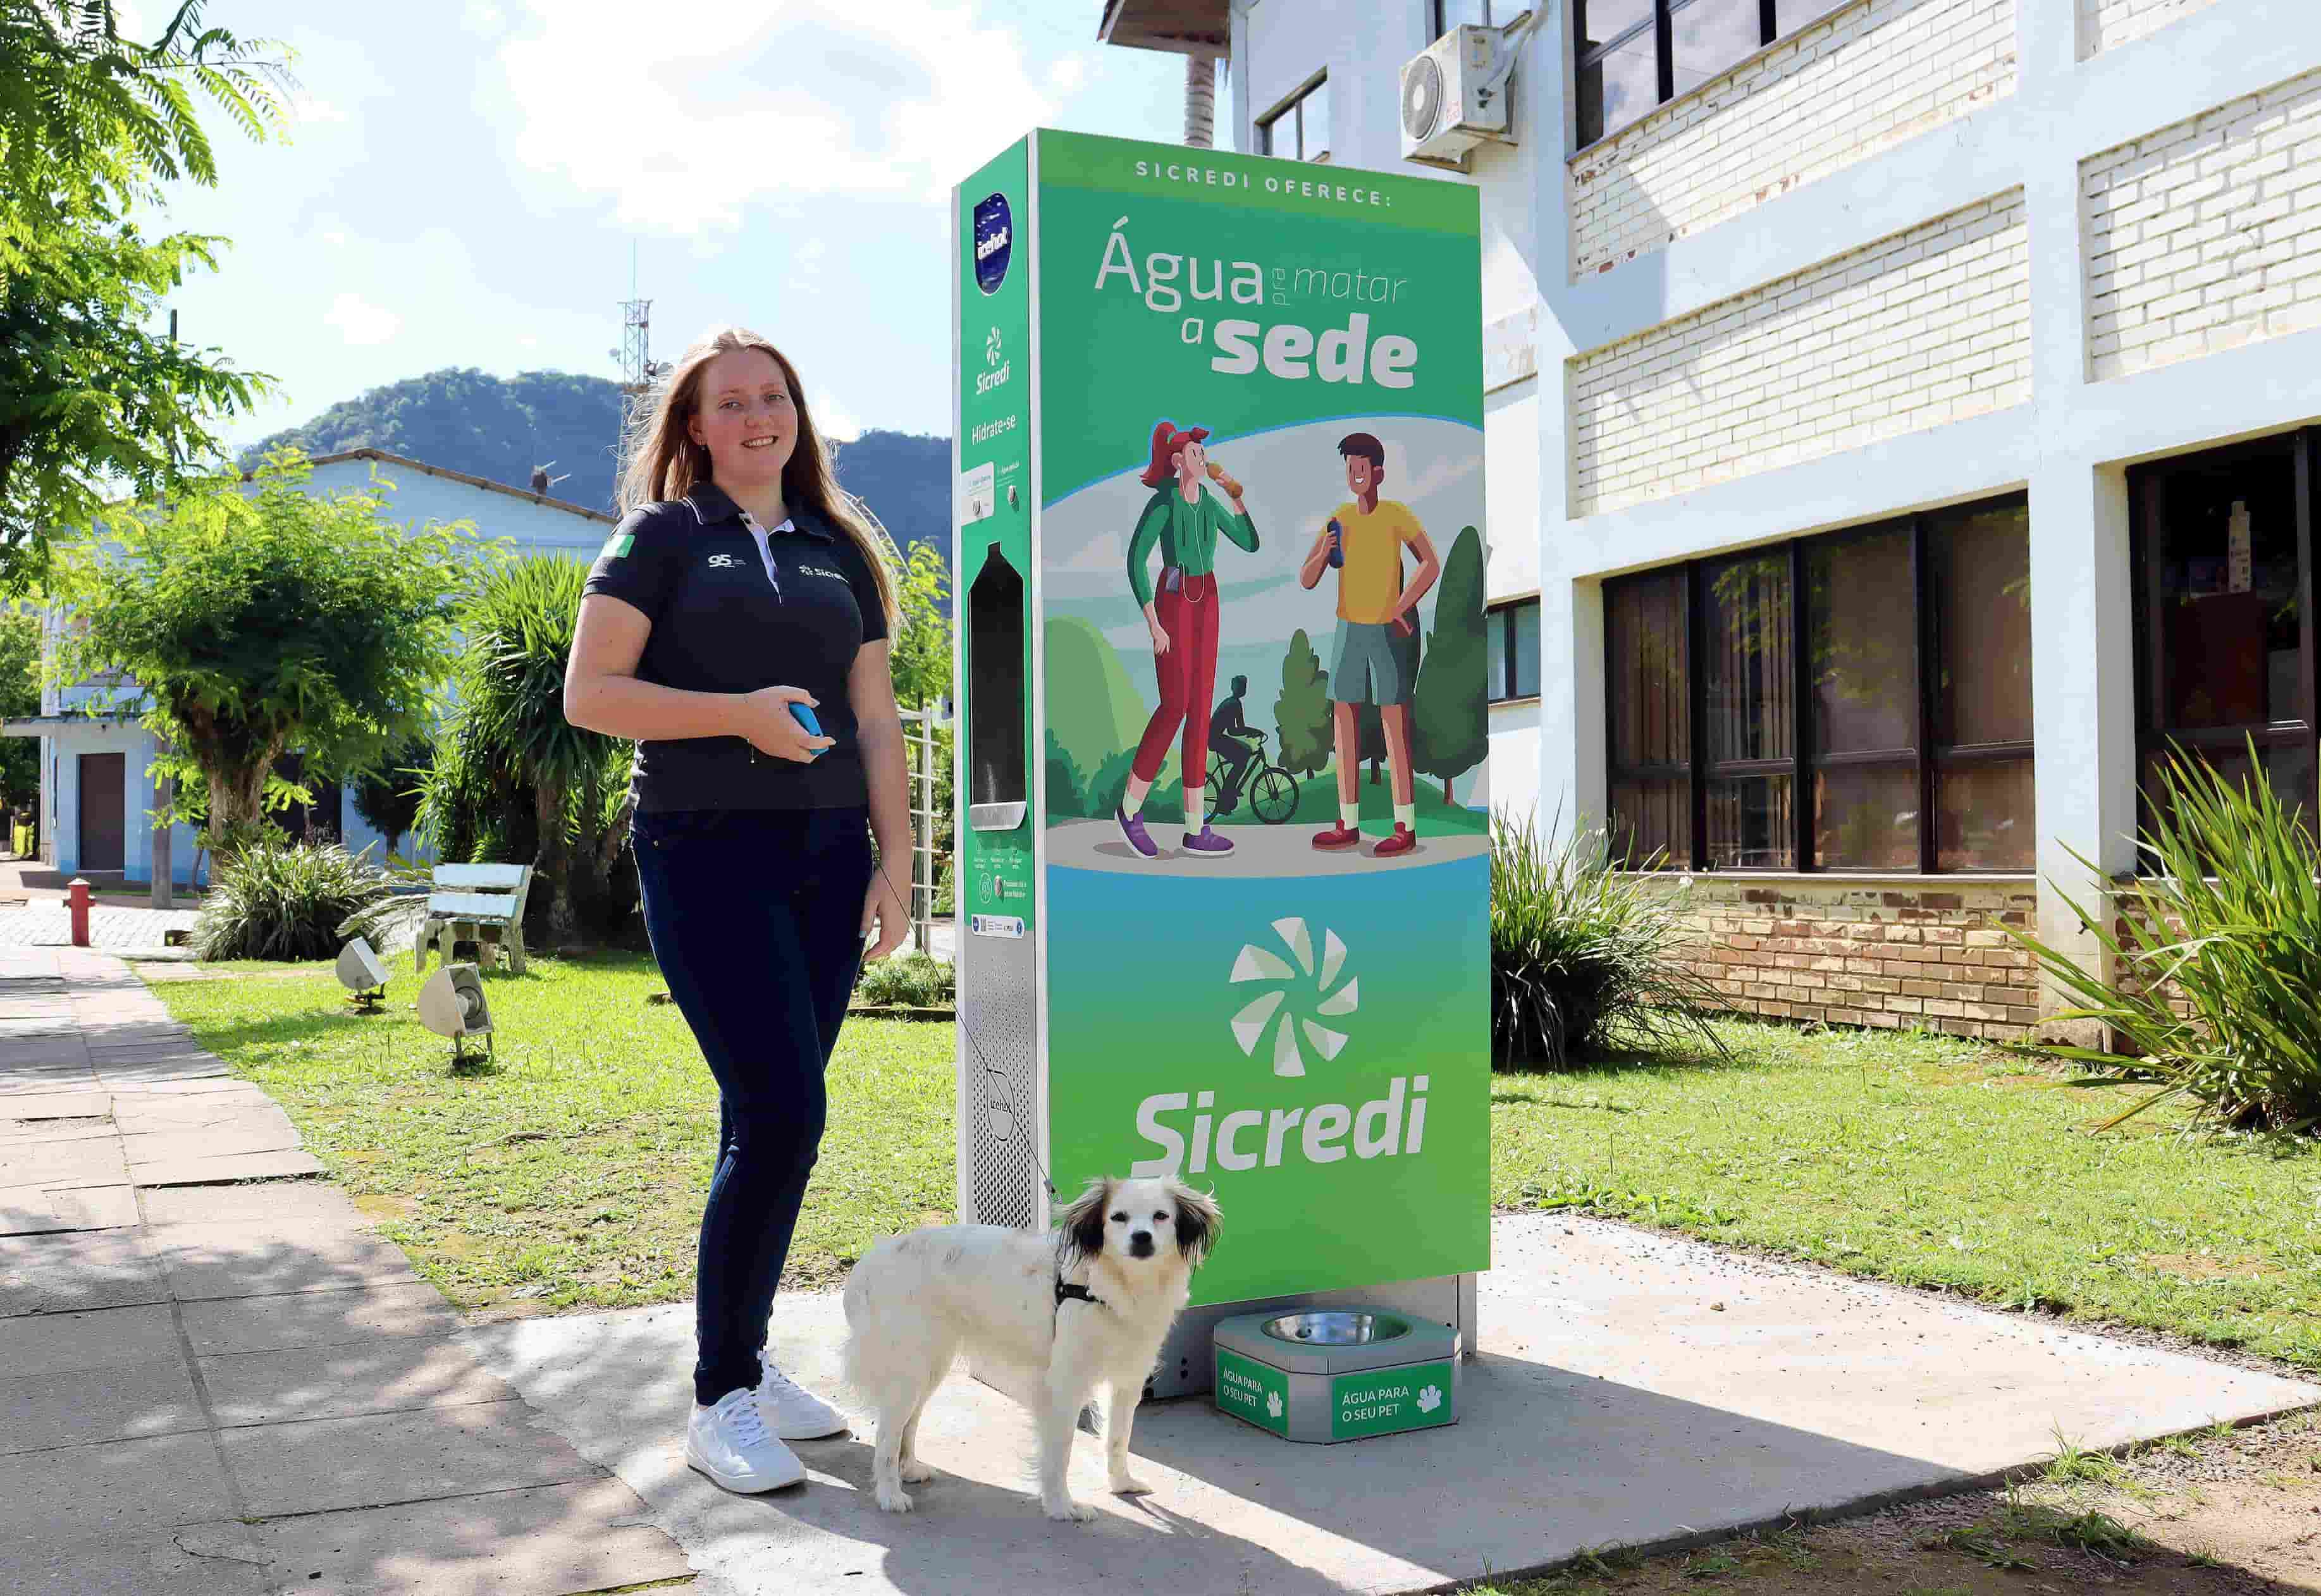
(1449, 732)
(20, 695)
(249, 618)
(389, 796)
(519, 631)
(921, 652)
(1301, 711)
(91, 126)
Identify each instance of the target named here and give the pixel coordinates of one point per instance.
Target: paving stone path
(215, 1378)
(46, 922)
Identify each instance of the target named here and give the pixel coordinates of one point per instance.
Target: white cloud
(359, 322)
(481, 16)
(835, 419)
(715, 108)
(1068, 74)
(310, 111)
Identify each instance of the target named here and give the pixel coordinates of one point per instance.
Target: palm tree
(519, 636)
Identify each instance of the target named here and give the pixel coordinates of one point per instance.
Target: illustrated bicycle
(1272, 791)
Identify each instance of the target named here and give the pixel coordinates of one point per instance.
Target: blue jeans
(756, 920)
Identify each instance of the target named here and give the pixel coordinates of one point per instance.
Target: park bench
(483, 902)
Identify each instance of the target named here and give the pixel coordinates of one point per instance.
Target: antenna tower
(640, 374)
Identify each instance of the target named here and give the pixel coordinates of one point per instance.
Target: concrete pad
(250, 1133)
(153, 1113)
(316, 1318)
(70, 1273)
(51, 1075)
(1614, 1403)
(236, 1166)
(207, 1261)
(218, 1559)
(200, 1084)
(325, 1464)
(314, 1204)
(83, 1127)
(150, 1398)
(115, 1074)
(573, 1537)
(63, 1343)
(43, 1210)
(384, 1375)
(57, 1105)
(96, 1162)
(77, 1494)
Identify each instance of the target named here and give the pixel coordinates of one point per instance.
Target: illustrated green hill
(1094, 708)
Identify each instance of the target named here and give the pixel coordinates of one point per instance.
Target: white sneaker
(792, 1411)
(729, 1443)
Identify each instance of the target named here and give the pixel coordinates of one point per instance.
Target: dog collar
(1068, 1293)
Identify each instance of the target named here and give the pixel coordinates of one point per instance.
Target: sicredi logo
(994, 235)
(1304, 991)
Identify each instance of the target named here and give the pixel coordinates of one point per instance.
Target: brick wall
(2205, 234)
(1860, 81)
(1928, 326)
(2105, 24)
(1897, 953)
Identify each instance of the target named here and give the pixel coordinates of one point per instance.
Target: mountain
(500, 428)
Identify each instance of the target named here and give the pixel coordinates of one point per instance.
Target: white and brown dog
(1065, 1314)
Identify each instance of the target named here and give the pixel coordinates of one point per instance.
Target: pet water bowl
(1327, 1374)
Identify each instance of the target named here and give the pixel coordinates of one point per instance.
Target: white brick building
(1840, 350)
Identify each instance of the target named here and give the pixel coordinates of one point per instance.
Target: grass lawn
(572, 1174)
(1935, 1163)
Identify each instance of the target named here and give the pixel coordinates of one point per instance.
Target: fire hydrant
(77, 896)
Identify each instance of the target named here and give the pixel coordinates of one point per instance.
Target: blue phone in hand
(1337, 543)
(804, 715)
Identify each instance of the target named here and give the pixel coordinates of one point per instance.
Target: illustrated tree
(1067, 792)
(1301, 711)
(1450, 734)
(91, 126)
(518, 629)
(244, 620)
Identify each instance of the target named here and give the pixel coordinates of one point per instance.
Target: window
(1634, 54)
(2224, 614)
(1512, 637)
(1300, 128)
(1855, 702)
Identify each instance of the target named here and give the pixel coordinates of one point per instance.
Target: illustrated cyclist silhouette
(1231, 739)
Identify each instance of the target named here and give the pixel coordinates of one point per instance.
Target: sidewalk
(1632, 1390)
(210, 1388)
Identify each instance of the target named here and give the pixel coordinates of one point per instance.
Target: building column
(1571, 786)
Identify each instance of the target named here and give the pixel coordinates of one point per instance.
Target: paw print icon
(1429, 1399)
(1273, 1404)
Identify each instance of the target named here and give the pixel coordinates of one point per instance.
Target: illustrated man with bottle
(1376, 657)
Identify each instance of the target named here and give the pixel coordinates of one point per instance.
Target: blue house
(96, 783)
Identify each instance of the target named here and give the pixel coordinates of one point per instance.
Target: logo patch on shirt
(722, 562)
(822, 571)
(617, 548)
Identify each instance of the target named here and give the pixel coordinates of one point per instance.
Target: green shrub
(1582, 955)
(914, 980)
(2227, 918)
(286, 900)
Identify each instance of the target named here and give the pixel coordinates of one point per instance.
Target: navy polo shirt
(723, 623)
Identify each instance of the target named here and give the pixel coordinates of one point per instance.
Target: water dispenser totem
(1224, 856)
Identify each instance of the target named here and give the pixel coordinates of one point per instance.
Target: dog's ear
(1083, 1223)
(1197, 1222)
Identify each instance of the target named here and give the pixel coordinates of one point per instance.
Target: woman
(738, 587)
(1183, 521)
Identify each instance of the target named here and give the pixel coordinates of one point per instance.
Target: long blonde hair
(666, 463)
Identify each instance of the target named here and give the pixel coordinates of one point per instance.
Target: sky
(463, 184)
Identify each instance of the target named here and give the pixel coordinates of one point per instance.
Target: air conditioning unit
(1454, 97)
